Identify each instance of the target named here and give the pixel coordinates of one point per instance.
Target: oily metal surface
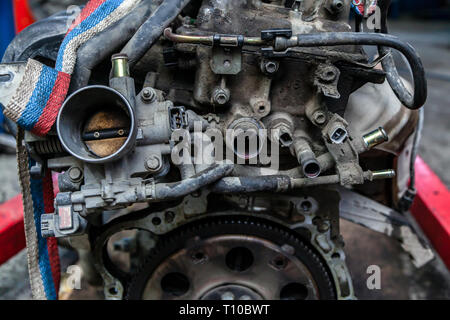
(206, 265)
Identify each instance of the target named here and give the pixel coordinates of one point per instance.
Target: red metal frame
(431, 209)
(22, 14)
(12, 234)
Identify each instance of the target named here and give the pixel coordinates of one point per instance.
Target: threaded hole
(239, 259)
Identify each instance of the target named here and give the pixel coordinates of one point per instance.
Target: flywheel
(232, 258)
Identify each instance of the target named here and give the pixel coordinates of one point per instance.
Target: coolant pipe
(374, 138)
(103, 45)
(306, 157)
(120, 78)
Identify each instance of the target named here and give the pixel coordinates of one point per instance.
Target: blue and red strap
(359, 7)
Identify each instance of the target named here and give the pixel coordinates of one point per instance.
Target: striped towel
(359, 7)
(42, 91)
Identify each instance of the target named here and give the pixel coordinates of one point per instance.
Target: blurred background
(425, 25)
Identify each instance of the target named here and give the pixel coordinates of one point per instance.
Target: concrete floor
(400, 279)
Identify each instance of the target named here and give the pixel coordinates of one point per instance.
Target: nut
(148, 95)
(269, 67)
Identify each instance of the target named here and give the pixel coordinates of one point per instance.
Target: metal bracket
(226, 60)
(11, 75)
(326, 80)
(271, 34)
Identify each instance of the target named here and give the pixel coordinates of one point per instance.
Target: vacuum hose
(378, 39)
(396, 83)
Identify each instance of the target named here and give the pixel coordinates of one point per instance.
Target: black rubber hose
(252, 184)
(152, 29)
(169, 191)
(41, 39)
(377, 39)
(103, 45)
(409, 100)
(415, 150)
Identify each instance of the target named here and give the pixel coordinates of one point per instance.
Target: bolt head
(271, 67)
(327, 74)
(153, 163)
(75, 173)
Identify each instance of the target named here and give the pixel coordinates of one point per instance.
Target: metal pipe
(223, 40)
(306, 157)
(120, 67)
(280, 183)
(302, 182)
(375, 137)
(97, 49)
(379, 175)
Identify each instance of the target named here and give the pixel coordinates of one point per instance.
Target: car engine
(226, 139)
